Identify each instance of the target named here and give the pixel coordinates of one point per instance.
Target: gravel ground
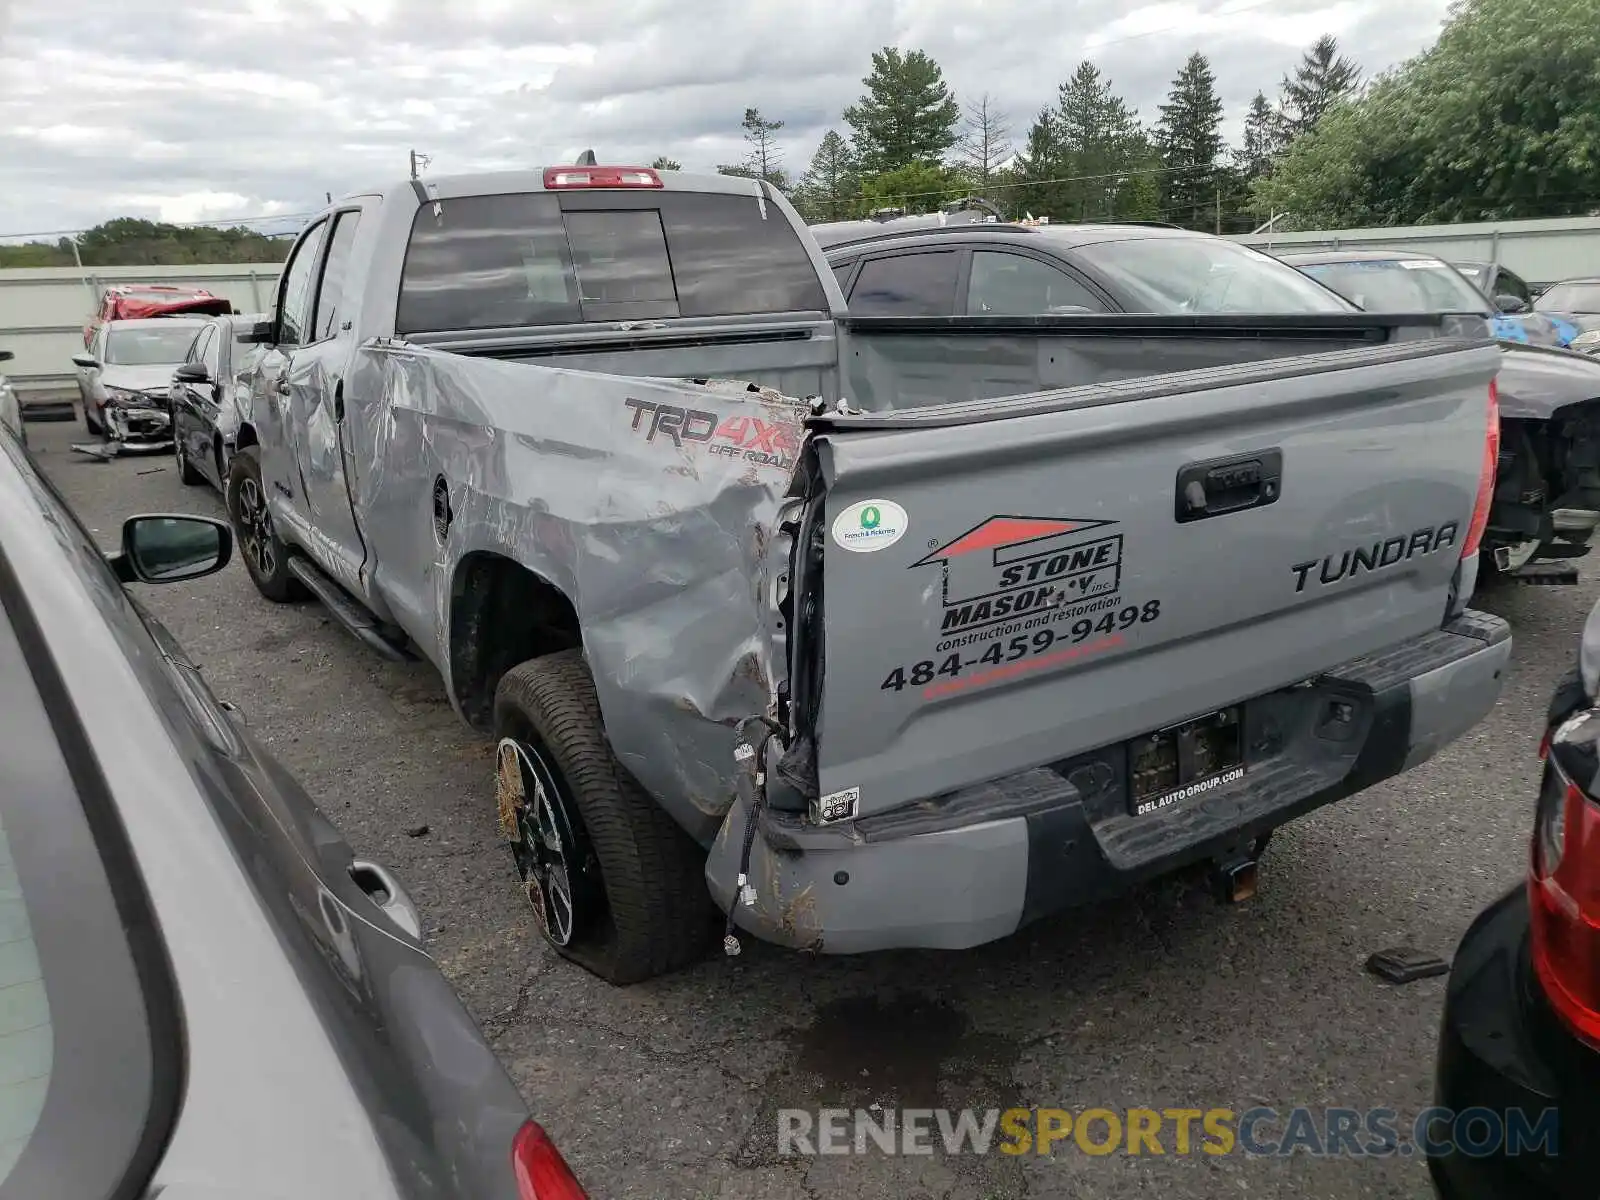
(1160, 999)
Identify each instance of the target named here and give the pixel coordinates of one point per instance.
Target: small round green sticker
(870, 517)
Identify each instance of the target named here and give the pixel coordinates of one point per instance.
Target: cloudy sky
(189, 110)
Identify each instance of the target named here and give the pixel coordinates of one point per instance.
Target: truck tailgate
(1007, 583)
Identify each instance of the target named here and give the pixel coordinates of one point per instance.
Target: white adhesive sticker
(869, 525)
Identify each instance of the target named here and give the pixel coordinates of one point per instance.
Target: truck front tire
(616, 885)
(265, 556)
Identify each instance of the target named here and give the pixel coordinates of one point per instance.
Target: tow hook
(1234, 878)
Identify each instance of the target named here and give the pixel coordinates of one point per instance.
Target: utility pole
(418, 161)
(1219, 210)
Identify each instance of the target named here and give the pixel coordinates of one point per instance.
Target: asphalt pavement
(1161, 999)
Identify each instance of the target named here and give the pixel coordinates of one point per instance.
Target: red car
(131, 301)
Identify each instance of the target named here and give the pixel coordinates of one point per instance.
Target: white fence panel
(43, 309)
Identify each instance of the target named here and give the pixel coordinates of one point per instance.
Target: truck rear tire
(617, 886)
(265, 556)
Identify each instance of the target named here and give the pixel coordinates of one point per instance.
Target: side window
(294, 306)
(906, 285)
(335, 272)
(1013, 285)
(842, 274)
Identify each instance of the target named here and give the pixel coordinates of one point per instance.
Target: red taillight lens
(1491, 459)
(542, 1174)
(556, 178)
(1564, 882)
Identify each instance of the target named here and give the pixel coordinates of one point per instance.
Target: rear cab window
(542, 258)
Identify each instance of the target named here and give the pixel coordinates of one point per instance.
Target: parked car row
(150, 382)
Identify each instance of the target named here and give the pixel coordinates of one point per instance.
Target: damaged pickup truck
(858, 633)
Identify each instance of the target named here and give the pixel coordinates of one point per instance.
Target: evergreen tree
(1323, 78)
(830, 184)
(1039, 163)
(1190, 140)
(1088, 158)
(1100, 140)
(1262, 142)
(907, 115)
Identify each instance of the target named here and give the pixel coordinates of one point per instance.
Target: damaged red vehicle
(134, 301)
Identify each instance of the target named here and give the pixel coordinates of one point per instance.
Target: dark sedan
(206, 992)
(1001, 269)
(208, 401)
(1520, 1039)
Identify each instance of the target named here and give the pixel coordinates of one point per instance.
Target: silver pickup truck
(858, 633)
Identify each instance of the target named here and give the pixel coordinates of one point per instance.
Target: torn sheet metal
(650, 504)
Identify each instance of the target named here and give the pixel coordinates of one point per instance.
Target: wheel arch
(501, 614)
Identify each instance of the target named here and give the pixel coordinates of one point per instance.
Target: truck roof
(501, 183)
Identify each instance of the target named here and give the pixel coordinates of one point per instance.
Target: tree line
(131, 242)
(1499, 119)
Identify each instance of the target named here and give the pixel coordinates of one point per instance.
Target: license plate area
(1186, 760)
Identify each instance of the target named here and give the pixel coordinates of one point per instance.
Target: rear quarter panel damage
(650, 504)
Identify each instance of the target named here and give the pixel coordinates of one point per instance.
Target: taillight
(542, 1174)
(556, 178)
(1564, 879)
(1491, 460)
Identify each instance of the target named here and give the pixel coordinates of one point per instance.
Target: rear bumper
(1500, 1049)
(968, 867)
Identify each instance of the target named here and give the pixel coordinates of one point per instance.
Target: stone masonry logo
(1007, 566)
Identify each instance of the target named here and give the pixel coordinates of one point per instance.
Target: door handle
(1219, 486)
(384, 890)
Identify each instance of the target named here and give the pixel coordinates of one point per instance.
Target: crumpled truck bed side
(650, 504)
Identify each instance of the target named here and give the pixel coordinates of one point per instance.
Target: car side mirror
(259, 334)
(87, 361)
(159, 548)
(192, 373)
(1509, 304)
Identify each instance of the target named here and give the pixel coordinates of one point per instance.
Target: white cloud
(225, 108)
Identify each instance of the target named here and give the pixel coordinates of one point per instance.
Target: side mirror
(87, 361)
(259, 334)
(192, 373)
(1509, 304)
(165, 549)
